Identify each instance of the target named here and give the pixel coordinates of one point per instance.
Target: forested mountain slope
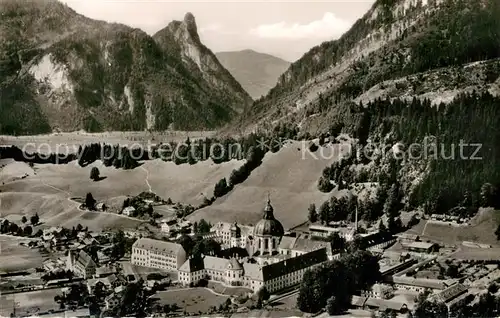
(61, 70)
(407, 72)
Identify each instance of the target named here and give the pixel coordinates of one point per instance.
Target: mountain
(409, 72)
(395, 41)
(62, 71)
(257, 72)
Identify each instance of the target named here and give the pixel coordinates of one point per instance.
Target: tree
(487, 195)
(187, 243)
(337, 242)
(28, 230)
(324, 212)
(90, 202)
(263, 294)
(221, 188)
(312, 214)
(364, 269)
(94, 174)
(324, 185)
(428, 309)
(134, 300)
(392, 203)
(24, 219)
(35, 219)
(381, 227)
(334, 306)
(452, 271)
(322, 282)
(395, 225)
(13, 228)
(492, 288)
(204, 227)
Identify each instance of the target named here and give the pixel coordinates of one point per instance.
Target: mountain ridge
(75, 73)
(257, 72)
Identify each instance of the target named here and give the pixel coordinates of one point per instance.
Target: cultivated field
(47, 189)
(481, 230)
(192, 300)
(14, 257)
(29, 302)
(290, 176)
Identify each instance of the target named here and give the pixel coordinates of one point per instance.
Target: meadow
(192, 300)
(14, 257)
(288, 176)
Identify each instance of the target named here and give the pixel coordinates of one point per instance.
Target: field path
(147, 178)
(77, 205)
(55, 188)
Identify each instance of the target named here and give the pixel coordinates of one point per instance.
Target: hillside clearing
(48, 190)
(289, 176)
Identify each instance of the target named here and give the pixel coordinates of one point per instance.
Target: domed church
(267, 233)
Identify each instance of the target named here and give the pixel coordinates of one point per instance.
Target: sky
(286, 29)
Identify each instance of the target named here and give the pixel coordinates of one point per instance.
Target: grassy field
(14, 257)
(29, 302)
(192, 300)
(477, 254)
(288, 176)
(481, 230)
(48, 187)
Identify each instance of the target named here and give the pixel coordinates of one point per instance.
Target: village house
(417, 284)
(81, 264)
(168, 226)
(379, 291)
(421, 247)
(106, 283)
(128, 211)
(452, 296)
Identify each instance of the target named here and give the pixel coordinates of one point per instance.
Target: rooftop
(420, 245)
(158, 246)
(419, 282)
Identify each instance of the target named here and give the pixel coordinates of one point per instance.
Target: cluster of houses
(172, 226)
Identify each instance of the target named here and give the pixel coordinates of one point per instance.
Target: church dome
(268, 226)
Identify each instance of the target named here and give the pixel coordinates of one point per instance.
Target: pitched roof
(158, 246)
(215, 263)
(419, 282)
(451, 292)
(84, 259)
(383, 304)
(192, 265)
(358, 301)
(302, 244)
(287, 242)
(423, 245)
(290, 265)
(235, 264)
(253, 271)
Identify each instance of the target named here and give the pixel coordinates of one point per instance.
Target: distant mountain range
(256, 72)
(62, 71)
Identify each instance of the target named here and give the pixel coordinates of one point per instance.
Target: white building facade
(158, 254)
